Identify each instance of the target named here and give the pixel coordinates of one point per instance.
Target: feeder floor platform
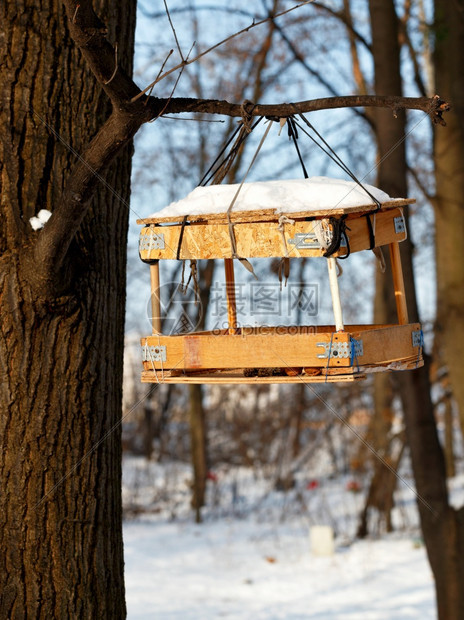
(229, 377)
(310, 354)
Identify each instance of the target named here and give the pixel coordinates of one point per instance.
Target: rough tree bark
(61, 334)
(62, 290)
(442, 526)
(449, 176)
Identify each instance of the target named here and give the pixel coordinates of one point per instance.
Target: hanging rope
(181, 236)
(354, 344)
(192, 276)
(339, 229)
(378, 253)
(283, 270)
(421, 348)
(243, 261)
(217, 173)
(293, 134)
(328, 357)
(328, 150)
(283, 219)
(246, 109)
(284, 265)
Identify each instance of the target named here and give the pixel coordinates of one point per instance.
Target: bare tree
(440, 522)
(62, 290)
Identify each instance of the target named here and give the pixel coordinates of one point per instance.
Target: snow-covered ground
(254, 560)
(247, 570)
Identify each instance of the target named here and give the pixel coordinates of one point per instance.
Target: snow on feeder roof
(314, 196)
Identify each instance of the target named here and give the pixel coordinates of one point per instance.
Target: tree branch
(434, 106)
(89, 34)
(52, 243)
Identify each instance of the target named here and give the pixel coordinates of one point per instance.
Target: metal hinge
(400, 224)
(151, 240)
(154, 353)
(308, 241)
(417, 338)
(341, 350)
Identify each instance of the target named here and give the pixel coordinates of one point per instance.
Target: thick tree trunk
(383, 482)
(60, 461)
(441, 525)
(449, 175)
(61, 353)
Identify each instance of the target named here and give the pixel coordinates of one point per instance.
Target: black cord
(335, 158)
(181, 236)
(370, 230)
(212, 170)
(339, 229)
(293, 134)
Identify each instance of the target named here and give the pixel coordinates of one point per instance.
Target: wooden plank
(230, 293)
(384, 230)
(264, 240)
(195, 351)
(398, 284)
(155, 299)
(235, 378)
(260, 215)
(387, 344)
(305, 329)
(381, 346)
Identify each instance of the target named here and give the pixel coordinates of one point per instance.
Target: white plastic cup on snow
(321, 538)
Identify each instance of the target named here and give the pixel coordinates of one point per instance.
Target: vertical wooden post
(335, 293)
(155, 299)
(230, 292)
(398, 283)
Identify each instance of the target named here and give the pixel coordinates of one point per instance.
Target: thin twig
(173, 31)
(75, 13)
(196, 120)
(115, 64)
(175, 85)
(159, 72)
(233, 36)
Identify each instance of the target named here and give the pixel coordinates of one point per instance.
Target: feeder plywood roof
(268, 200)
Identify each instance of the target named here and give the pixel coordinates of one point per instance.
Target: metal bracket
(151, 240)
(417, 338)
(358, 347)
(154, 353)
(308, 241)
(341, 350)
(400, 224)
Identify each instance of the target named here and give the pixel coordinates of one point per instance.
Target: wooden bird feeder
(309, 353)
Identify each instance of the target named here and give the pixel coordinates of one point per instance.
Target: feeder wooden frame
(282, 354)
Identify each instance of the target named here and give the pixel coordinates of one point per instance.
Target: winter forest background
(285, 454)
(221, 486)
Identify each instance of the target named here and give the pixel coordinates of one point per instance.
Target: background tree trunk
(198, 443)
(449, 176)
(441, 527)
(61, 353)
